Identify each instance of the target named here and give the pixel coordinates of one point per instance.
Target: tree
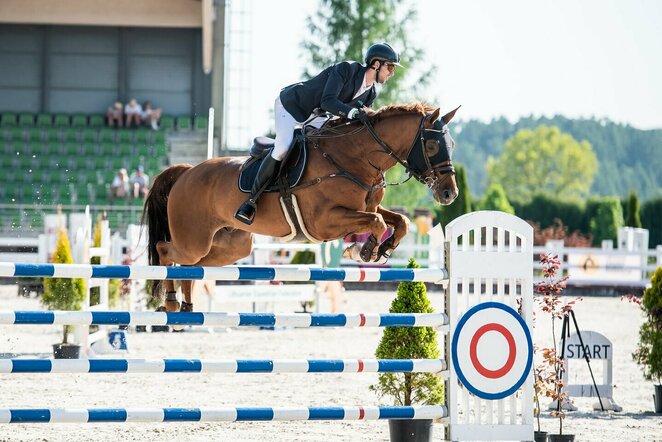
(410, 343)
(343, 30)
(63, 293)
(410, 195)
(544, 160)
(607, 219)
(633, 219)
(495, 199)
(461, 205)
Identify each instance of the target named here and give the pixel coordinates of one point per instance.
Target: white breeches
(285, 124)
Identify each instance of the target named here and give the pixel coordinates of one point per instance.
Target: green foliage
(495, 199)
(544, 209)
(544, 160)
(628, 158)
(633, 219)
(63, 293)
(342, 30)
(607, 219)
(410, 195)
(461, 205)
(651, 214)
(410, 343)
(649, 349)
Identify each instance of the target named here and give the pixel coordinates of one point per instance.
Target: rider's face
(387, 71)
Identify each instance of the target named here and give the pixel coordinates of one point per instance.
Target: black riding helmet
(382, 52)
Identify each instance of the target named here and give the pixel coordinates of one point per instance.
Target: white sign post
(596, 347)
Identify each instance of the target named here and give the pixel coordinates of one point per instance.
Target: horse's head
(430, 158)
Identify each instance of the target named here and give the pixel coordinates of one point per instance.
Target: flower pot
(66, 351)
(414, 430)
(561, 437)
(540, 436)
(658, 399)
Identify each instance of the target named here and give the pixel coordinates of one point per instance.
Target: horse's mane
(397, 109)
(390, 111)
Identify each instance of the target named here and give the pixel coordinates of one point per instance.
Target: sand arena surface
(610, 316)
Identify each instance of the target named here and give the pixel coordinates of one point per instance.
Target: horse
(189, 211)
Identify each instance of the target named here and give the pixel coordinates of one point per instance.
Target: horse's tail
(155, 212)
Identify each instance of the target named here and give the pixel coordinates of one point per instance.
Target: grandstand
(64, 63)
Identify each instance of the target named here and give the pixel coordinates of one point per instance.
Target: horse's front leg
(354, 221)
(400, 225)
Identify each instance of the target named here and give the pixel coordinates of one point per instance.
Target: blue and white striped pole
(227, 273)
(222, 366)
(223, 319)
(101, 415)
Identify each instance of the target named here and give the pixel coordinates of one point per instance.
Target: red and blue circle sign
(492, 350)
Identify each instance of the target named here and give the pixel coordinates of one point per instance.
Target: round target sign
(492, 350)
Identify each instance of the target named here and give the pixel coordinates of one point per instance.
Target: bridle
(427, 175)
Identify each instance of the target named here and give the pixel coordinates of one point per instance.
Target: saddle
(291, 168)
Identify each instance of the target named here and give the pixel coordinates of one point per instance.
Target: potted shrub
(410, 343)
(64, 294)
(549, 375)
(649, 349)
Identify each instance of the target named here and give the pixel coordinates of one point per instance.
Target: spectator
(120, 185)
(133, 112)
(139, 182)
(114, 114)
(150, 115)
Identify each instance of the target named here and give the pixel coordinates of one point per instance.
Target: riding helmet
(383, 52)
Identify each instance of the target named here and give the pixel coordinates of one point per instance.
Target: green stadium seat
(79, 121)
(70, 149)
(53, 134)
(143, 136)
(184, 123)
(107, 135)
(61, 120)
(97, 121)
(159, 137)
(167, 122)
(25, 120)
(89, 135)
(70, 136)
(89, 149)
(44, 120)
(106, 149)
(8, 119)
(34, 134)
(124, 149)
(100, 162)
(17, 133)
(160, 149)
(201, 123)
(126, 136)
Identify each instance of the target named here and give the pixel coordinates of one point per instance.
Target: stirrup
(248, 206)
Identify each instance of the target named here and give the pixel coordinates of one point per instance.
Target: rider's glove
(358, 114)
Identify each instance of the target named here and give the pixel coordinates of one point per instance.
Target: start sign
(492, 350)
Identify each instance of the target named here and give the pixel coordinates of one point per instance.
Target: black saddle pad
(292, 167)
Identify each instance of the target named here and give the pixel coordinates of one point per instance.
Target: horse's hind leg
(227, 248)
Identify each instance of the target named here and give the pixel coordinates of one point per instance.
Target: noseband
(426, 176)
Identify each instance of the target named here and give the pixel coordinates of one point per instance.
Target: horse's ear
(449, 116)
(434, 115)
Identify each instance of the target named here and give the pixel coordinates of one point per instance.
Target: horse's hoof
(172, 306)
(186, 307)
(369, 249)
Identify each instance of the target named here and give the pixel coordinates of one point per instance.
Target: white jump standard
(485, 328)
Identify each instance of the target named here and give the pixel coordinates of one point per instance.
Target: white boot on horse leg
(353, 252)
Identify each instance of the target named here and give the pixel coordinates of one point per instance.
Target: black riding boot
(265, 174)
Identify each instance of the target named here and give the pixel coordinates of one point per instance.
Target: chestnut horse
(190, 210)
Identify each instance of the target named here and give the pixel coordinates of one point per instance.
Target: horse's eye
(431, 148)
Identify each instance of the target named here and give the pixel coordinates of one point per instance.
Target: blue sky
(512, 58)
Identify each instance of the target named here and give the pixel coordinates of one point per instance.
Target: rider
(338, 89)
